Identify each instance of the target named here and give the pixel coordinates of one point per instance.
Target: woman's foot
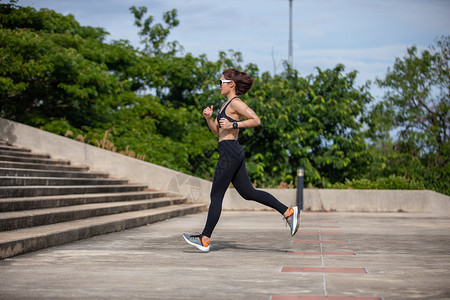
(199, 241)
(292, 217)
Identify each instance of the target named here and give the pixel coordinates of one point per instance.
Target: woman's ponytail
(242, 80)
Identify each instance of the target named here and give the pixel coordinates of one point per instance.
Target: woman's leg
(221, 181)
(242, 183)
(230, 157)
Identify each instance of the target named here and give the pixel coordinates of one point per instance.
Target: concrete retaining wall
(197, 190)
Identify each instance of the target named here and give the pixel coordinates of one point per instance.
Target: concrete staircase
(46, 202)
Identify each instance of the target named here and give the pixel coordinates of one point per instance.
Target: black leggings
(231, 168)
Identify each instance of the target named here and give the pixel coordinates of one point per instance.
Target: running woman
(231, 165)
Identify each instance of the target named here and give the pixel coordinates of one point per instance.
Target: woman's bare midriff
(228, 134)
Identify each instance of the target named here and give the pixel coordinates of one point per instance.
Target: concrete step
(58, 162)
(46, 202)
(23, 154)
(50, 173)
(38, 217)
(36, 191)
(56, 181)
(17, 204)
(35, 166)
(31, 239)
(12, 148)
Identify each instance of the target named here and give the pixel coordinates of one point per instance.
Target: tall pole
(300, 183)
(291, 59)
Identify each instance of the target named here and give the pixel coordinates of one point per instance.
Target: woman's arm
(243, 110)
(213, 125)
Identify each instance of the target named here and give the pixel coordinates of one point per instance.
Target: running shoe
(196, 241)
(293, 220)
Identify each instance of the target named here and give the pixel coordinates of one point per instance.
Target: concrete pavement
(253, 256)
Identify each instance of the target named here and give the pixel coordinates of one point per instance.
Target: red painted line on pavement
(320, 233)
(320, 253)
(319, 221)
(319, 226)
(321, 242)
(323, 270)
(286, 297)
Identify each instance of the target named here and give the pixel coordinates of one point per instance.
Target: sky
(364, 35)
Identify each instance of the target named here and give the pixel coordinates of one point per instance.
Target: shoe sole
(294, 229)
(201, 248)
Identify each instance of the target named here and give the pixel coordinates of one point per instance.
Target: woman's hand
(225, 124)
(207, 112)
(213, 125)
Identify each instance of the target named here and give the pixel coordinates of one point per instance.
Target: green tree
(55, 69)
(154, 37)
(64, 78)
(314, 122)
(416, 107)
(417, 98)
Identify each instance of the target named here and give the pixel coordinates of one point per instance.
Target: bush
(390, 183)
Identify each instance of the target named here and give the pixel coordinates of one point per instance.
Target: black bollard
(300, 183)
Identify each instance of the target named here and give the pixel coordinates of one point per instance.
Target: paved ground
(386, 256)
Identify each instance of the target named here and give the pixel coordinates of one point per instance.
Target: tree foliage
(313, 122)
(418, 91)
(154, 37)
(63, 77)
(416, 106)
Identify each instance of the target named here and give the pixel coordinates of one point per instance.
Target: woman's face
(226, 88)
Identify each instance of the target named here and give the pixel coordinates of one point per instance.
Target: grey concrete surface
(198, 190)
(405, 256)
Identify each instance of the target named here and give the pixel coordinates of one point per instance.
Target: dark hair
(243, 81)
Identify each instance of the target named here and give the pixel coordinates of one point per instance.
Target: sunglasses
(224, 81)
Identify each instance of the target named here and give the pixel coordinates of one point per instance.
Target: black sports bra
(222, 113)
